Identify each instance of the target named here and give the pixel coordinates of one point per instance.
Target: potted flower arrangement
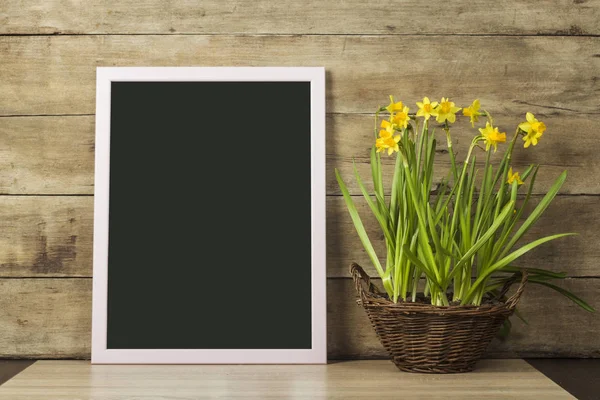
(461, 237)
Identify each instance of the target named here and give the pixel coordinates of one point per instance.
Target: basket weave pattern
(425, 338)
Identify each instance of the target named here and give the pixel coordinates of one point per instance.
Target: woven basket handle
(514, 299)
(362, 282)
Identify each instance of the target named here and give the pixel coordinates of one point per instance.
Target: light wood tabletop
(494, 379)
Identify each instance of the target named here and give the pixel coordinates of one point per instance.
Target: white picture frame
(317, 354)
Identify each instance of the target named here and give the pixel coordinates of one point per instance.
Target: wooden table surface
(494, 379)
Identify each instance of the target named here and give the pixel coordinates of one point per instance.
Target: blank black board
(210, 216)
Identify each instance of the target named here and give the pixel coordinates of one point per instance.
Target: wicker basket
(421, 337)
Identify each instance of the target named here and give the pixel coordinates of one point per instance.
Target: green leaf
(483, 196)
(529, 169)
(566, 293)
(395, 189)
(536, 271)
(537, 212)
(511, 223)
(494, 286)
(374, 169)
(487, 235)
(433, 230)
(360, 229)
(510, 258)
(382, 218)
(421, 220)
(376, 172)
(415, 260)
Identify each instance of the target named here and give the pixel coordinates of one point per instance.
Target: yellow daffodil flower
(391, 144)
(388, 126)
(446, 111)
(533, 129)
(387, 141)
(512, 177)
(386, 133)
(380, 144)
(532, 124)
(473, 112)
(393, 107)
(492, 137)
(532, 138)
(426, 108)
(401, 118)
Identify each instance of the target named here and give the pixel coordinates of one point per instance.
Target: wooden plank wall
(514, 55)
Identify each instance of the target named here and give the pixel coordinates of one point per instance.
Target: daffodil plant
(463, 235)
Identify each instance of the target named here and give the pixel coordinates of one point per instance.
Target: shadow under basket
(424, 338)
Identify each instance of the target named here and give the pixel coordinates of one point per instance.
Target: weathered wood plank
(47, 155)
(56, 74)
(46, 236)
(51, 318)
(307, 17)
(551, 320)
(575, 255)
(43, 236)
(55, 155)
(45, 318)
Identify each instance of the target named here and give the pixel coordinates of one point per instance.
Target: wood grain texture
(55, 154)
(44, 236)
(45, 318)
(51, 318)
(47, 155)
(494, 379)
(552, 17)
(56, 74)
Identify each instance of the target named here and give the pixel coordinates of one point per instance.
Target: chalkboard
(209, 221)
